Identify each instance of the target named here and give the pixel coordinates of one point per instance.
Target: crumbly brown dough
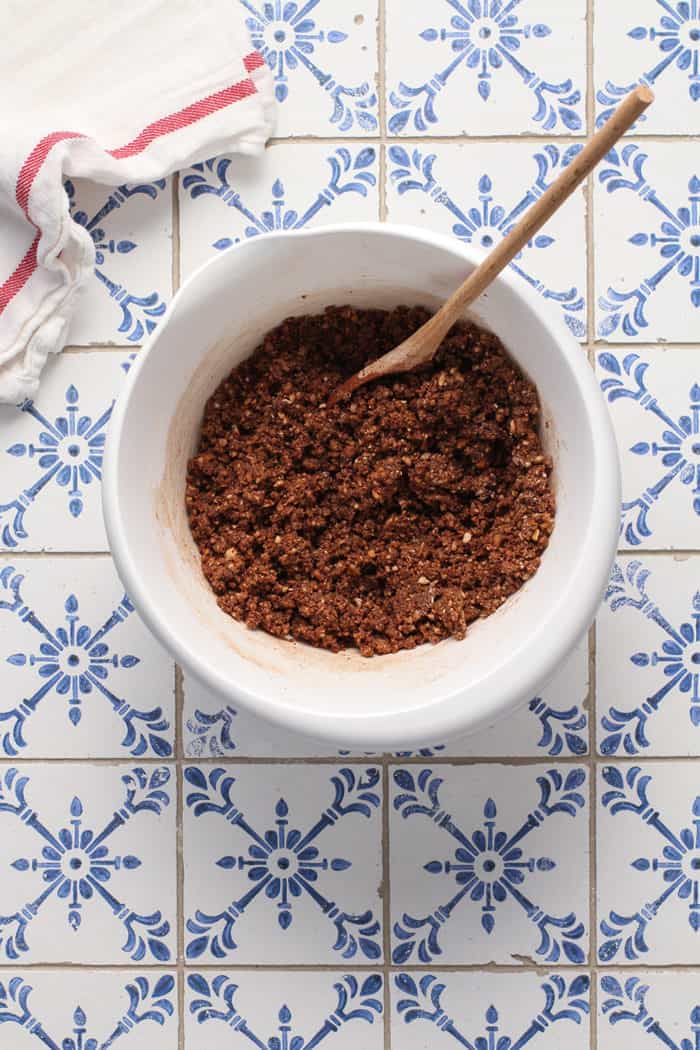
(397, 517)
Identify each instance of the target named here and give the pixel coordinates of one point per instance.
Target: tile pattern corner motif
(304, 46)
(147, 1001)
(490, 50)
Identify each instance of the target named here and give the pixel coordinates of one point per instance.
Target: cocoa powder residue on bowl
(397, 517)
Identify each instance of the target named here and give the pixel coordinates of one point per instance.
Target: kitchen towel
(116, 93)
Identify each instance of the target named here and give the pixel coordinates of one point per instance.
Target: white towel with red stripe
(117, 93)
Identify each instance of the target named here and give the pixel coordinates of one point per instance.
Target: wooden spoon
(420, 347)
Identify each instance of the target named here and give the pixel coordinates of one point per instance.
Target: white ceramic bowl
(410, 699)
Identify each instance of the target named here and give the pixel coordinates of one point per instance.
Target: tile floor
(174, 874)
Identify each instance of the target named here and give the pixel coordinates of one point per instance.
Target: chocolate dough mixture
(397, 517)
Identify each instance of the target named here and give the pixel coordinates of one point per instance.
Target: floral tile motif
(98, 1010)
(284, 1011)
(471, 889)
(663, 1006)
(486, 1011)
(654, 399)
(87, 860)
(648, 659)
(652, 42)
(647, 247)
(51, 453)
(555, 723)
(323, 56)
(131, 228)
(479, 195)
(648, 844)
(486, 67)
(282, 864)
(80, 676)
(228, 200)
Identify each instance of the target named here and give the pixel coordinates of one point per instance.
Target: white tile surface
(459, 67)
(67, 897)
(488, 1010)
(477, 194)
(647, 243)
(662, 1005)
(282, 864)
(648, 859)
(131, 227)
(275, 1009)
(493, 862)
(654, 42)
(227, 200)
(323, 55)
(51, 1007)
(654, 401)
(648, 659)
(51, 456)
(80, 676)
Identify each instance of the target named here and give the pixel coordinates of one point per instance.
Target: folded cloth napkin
(116, 93)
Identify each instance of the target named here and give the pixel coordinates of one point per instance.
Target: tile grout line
(386, 901)
(179, 709)
(592, 832)
(592, 663)
(458, 761)
(514, 137)
(381, 89)
(179, 856)
(385, 759)
(536, 969)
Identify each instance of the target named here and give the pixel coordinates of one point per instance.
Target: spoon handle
(551, 200)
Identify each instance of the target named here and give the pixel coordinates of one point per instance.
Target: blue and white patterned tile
(647, 243)
(484, 67)
(478, 195)
(284, 1010)
(323, 57)
(652, 42)
(489, 865)
(654, 400)
(51, 456)
(131, 227)
(663, 1006)
(488, 1011)
(555, 723)
(64, 1011)
(227, 200)
(648, 659)
(80, 676)
(282, 864)
(648, 864)
(87, 864)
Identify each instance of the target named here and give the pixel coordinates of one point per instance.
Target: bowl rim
(442, 716)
